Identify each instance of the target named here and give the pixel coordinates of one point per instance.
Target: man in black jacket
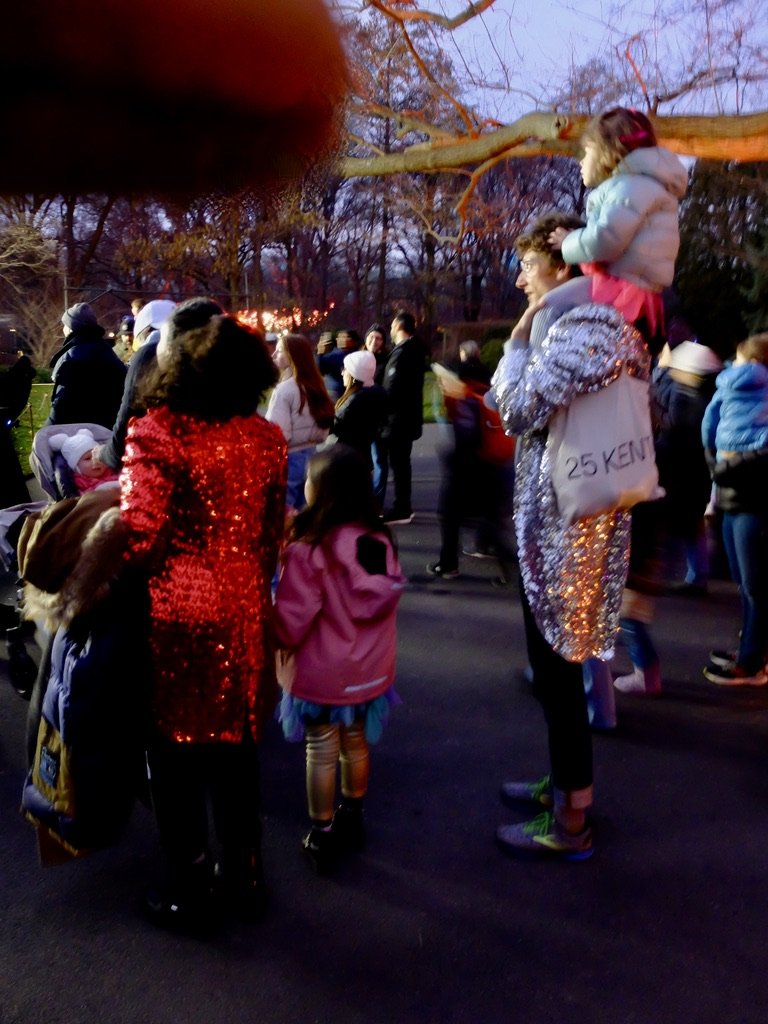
(404, 384)
(88, 377)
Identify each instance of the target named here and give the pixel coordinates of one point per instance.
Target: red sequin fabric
(204, 503)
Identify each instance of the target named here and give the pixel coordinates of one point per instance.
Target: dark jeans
(380, 459)
(745, 537)
(558, 686)
(637, 639)
(182, 778)
(396, 452)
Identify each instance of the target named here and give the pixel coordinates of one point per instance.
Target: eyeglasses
(528, 265)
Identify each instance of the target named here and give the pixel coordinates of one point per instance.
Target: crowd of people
(265, 550)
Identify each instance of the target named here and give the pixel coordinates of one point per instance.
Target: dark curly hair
(536, 238)
(215, 369)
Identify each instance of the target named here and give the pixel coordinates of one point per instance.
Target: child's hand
(556, 237)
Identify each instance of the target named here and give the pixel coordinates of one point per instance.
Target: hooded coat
(632, 228)
(736, 420)
(88, 380)
(335, 621)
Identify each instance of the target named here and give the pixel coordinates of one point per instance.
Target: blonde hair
(614, 134)
(754, 348)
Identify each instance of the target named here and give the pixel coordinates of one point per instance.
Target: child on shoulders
(628, 247)
(736, 420)
(735, 434)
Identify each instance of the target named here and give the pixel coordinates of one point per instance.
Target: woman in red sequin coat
(202, 495)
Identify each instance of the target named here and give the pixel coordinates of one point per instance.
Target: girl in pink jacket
(336, 608)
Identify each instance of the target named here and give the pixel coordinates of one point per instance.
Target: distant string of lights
(282, 321)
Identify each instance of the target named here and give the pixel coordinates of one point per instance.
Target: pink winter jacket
(335, 622)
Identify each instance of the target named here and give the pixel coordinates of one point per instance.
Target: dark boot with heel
(320, 849)
(348, 827)
(185, 902)
(239, 884)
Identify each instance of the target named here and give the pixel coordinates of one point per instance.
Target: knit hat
(153, 314)
(72, 447)
(692, 357)
(361, 366)
(78, 316)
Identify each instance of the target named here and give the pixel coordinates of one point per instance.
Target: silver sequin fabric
(574, 575)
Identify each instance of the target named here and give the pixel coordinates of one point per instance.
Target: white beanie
(361, 366)
(694, 358)
(73, 447)
(153, 314)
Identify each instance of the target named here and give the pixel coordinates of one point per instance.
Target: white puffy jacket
(298, 425)
(632, 220)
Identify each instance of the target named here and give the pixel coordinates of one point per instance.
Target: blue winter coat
(736, 420)
(88, 764)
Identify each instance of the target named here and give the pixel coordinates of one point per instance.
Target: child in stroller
(56, 481)
(60, 459)
(85, 472)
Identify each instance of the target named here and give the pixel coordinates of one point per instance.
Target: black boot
(239, 883)
(348, 826)
(185, 902)
(320, 847)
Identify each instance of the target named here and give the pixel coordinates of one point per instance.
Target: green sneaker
(545, 837)
(539, 792)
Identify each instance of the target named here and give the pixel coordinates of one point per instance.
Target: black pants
(183, 776)
(559, 688)
(398, 456)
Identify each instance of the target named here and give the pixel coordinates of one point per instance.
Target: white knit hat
(361, 366)
(154, 314)
(73, 447)
(694, 358)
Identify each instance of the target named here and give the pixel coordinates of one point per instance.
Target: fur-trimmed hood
(69, 554)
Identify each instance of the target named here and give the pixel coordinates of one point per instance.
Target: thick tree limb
(741, 138)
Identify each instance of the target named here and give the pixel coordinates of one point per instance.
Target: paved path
(666, 923)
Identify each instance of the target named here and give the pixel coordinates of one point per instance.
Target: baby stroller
(56, 481)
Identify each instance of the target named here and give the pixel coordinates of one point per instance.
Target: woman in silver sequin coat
(572, 576)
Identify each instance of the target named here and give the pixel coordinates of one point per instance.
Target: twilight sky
(525, 47)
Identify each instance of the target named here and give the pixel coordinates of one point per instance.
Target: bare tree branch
(402, 14)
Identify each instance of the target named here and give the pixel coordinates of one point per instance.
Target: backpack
(496, 446)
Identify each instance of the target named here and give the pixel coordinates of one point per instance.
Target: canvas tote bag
(601, 451)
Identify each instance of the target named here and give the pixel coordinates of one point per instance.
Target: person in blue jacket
(735, 435)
